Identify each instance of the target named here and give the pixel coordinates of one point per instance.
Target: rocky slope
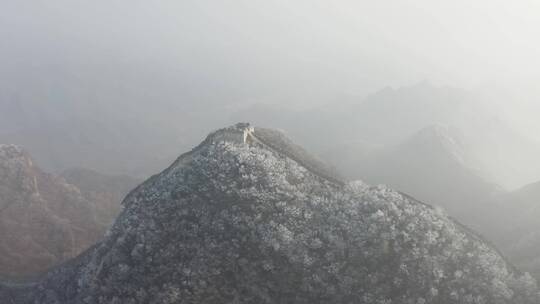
(249, 221)
(45, 220)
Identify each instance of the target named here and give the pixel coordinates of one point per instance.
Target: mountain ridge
(235, 222)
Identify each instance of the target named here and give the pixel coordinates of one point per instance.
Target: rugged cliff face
(254, 222)
(44, 219)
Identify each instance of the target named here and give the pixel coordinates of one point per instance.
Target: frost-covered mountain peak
(259, 220)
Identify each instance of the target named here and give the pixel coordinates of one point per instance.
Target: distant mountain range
(108, 136)
(250, 217)
(113, 137)
(392, 116)
(433, 165)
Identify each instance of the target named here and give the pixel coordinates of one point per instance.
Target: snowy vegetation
(237, 223)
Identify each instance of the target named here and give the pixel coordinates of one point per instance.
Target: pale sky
(301, 51)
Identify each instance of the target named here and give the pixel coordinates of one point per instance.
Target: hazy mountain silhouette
(391, 116)
(433, 166)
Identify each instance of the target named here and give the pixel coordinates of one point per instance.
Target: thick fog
(273, 50)
(159, 75)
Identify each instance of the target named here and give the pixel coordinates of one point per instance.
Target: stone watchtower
(239, 133)
(247, 131)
